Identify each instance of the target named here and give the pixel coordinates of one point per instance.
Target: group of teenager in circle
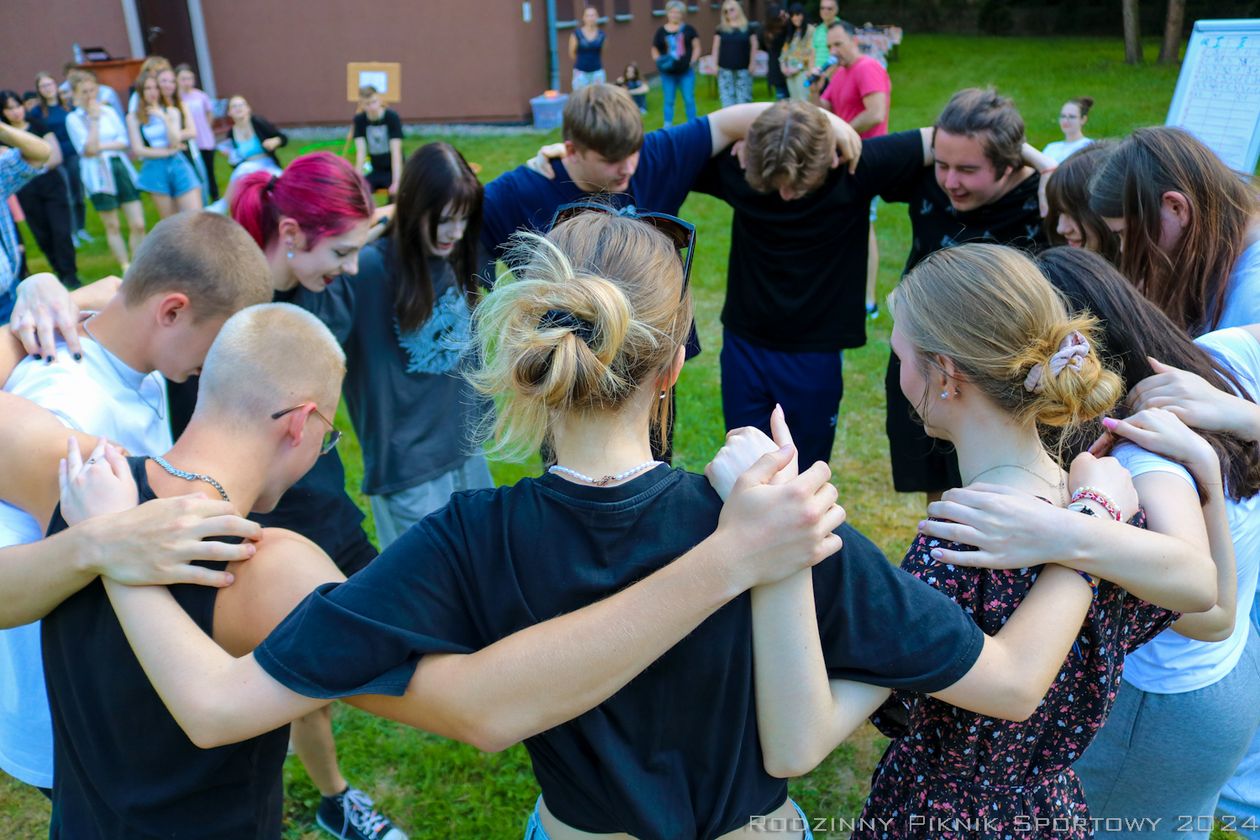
(1070, 637)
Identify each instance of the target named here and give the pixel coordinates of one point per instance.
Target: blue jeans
(535, 831)
(687, 84)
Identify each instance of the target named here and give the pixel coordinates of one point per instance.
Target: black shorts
(920, 463)
(380, 179)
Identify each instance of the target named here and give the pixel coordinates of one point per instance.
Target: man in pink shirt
(859, 92)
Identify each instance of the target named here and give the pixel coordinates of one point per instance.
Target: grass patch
(434, 788)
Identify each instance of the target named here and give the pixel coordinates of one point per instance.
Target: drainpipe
(553, 46)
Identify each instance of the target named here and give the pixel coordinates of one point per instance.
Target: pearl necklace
(189, 476)
(606, 480)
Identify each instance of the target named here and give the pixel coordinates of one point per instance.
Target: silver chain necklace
(159, 409)
(1060, 486)
(189, 476)
(606, 480)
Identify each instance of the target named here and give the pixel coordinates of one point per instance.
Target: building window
(621, 10)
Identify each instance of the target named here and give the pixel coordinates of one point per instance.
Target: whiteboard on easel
(1218, 92)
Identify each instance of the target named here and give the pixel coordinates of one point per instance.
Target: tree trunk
(1132, 35)
(1173, 23)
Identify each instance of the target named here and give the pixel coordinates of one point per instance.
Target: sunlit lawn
(435, 788)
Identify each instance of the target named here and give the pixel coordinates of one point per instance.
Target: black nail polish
(48, 360)
(36, 356)
(78, 357)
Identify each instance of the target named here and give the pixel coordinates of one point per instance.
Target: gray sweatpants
(396, 512)
(1157, 766)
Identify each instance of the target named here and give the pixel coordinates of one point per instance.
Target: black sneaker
(350, 815)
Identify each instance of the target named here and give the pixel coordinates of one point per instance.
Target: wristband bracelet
(1093, 494)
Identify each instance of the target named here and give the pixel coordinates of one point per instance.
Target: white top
(1170, 663)
(95, 171)
(1242, 295)
(102, 396)
(1061, 150)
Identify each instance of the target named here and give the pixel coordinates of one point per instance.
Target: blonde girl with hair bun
(990, 359)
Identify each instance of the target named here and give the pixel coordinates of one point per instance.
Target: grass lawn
(434, 788)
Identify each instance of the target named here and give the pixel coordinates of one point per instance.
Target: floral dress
(951, 774)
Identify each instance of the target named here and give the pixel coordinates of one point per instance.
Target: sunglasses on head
(681, 233)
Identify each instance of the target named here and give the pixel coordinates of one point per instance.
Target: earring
(289, 253)
(662, 396)
(945, 394)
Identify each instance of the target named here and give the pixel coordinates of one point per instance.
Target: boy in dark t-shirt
(979, 191)
(797, 268)
(378, 138)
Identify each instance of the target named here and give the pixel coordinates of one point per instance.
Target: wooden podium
(118, 73)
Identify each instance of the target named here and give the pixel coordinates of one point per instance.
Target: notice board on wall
(385, 76)
(1218, 92)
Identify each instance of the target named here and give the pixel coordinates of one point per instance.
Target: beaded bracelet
(1099, 497)
(1091, 580)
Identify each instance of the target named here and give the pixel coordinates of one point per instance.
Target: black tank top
(123, 767)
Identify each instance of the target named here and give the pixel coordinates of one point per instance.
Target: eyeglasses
(331, 437)
(681, 233)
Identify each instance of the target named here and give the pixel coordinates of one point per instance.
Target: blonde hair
(789, 145)
(268, 358)
(990, 310)
(617, 283)
(203, 255)
(741, 22)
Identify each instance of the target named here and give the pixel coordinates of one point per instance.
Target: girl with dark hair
(797, 58)
(1072, 118)
(404, 322)
(1186, 711)
(774, 31)
(45, 201)
(1070, 221)
(1189, 225)
(990, 355)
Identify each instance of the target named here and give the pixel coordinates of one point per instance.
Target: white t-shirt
(1242, 295)
(1170, 663)
(99, 396)
(1061, 150)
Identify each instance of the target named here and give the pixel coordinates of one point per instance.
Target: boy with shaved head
(191, 273)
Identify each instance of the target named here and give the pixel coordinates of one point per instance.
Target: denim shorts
(171, 176)
(535, 831)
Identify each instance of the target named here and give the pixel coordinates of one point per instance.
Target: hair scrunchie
(271, 185)
(1072, 352)
(565, 320)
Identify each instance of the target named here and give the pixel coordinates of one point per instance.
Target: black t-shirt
(123, 767)
(377, 135)
(674, 753)
(677, 44)
(735, 49)
(1014, 219)
(317, 506)
(796, 275)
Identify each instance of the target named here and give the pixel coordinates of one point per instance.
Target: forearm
(732, 123)
(1155, 567)
(1017, 666)
(1217, 623)
(550, 673)
(801, 715)
(1037, 160)
(46, 572)
(33, 149)
(865, 121)
(95, 296)
(216, 698)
